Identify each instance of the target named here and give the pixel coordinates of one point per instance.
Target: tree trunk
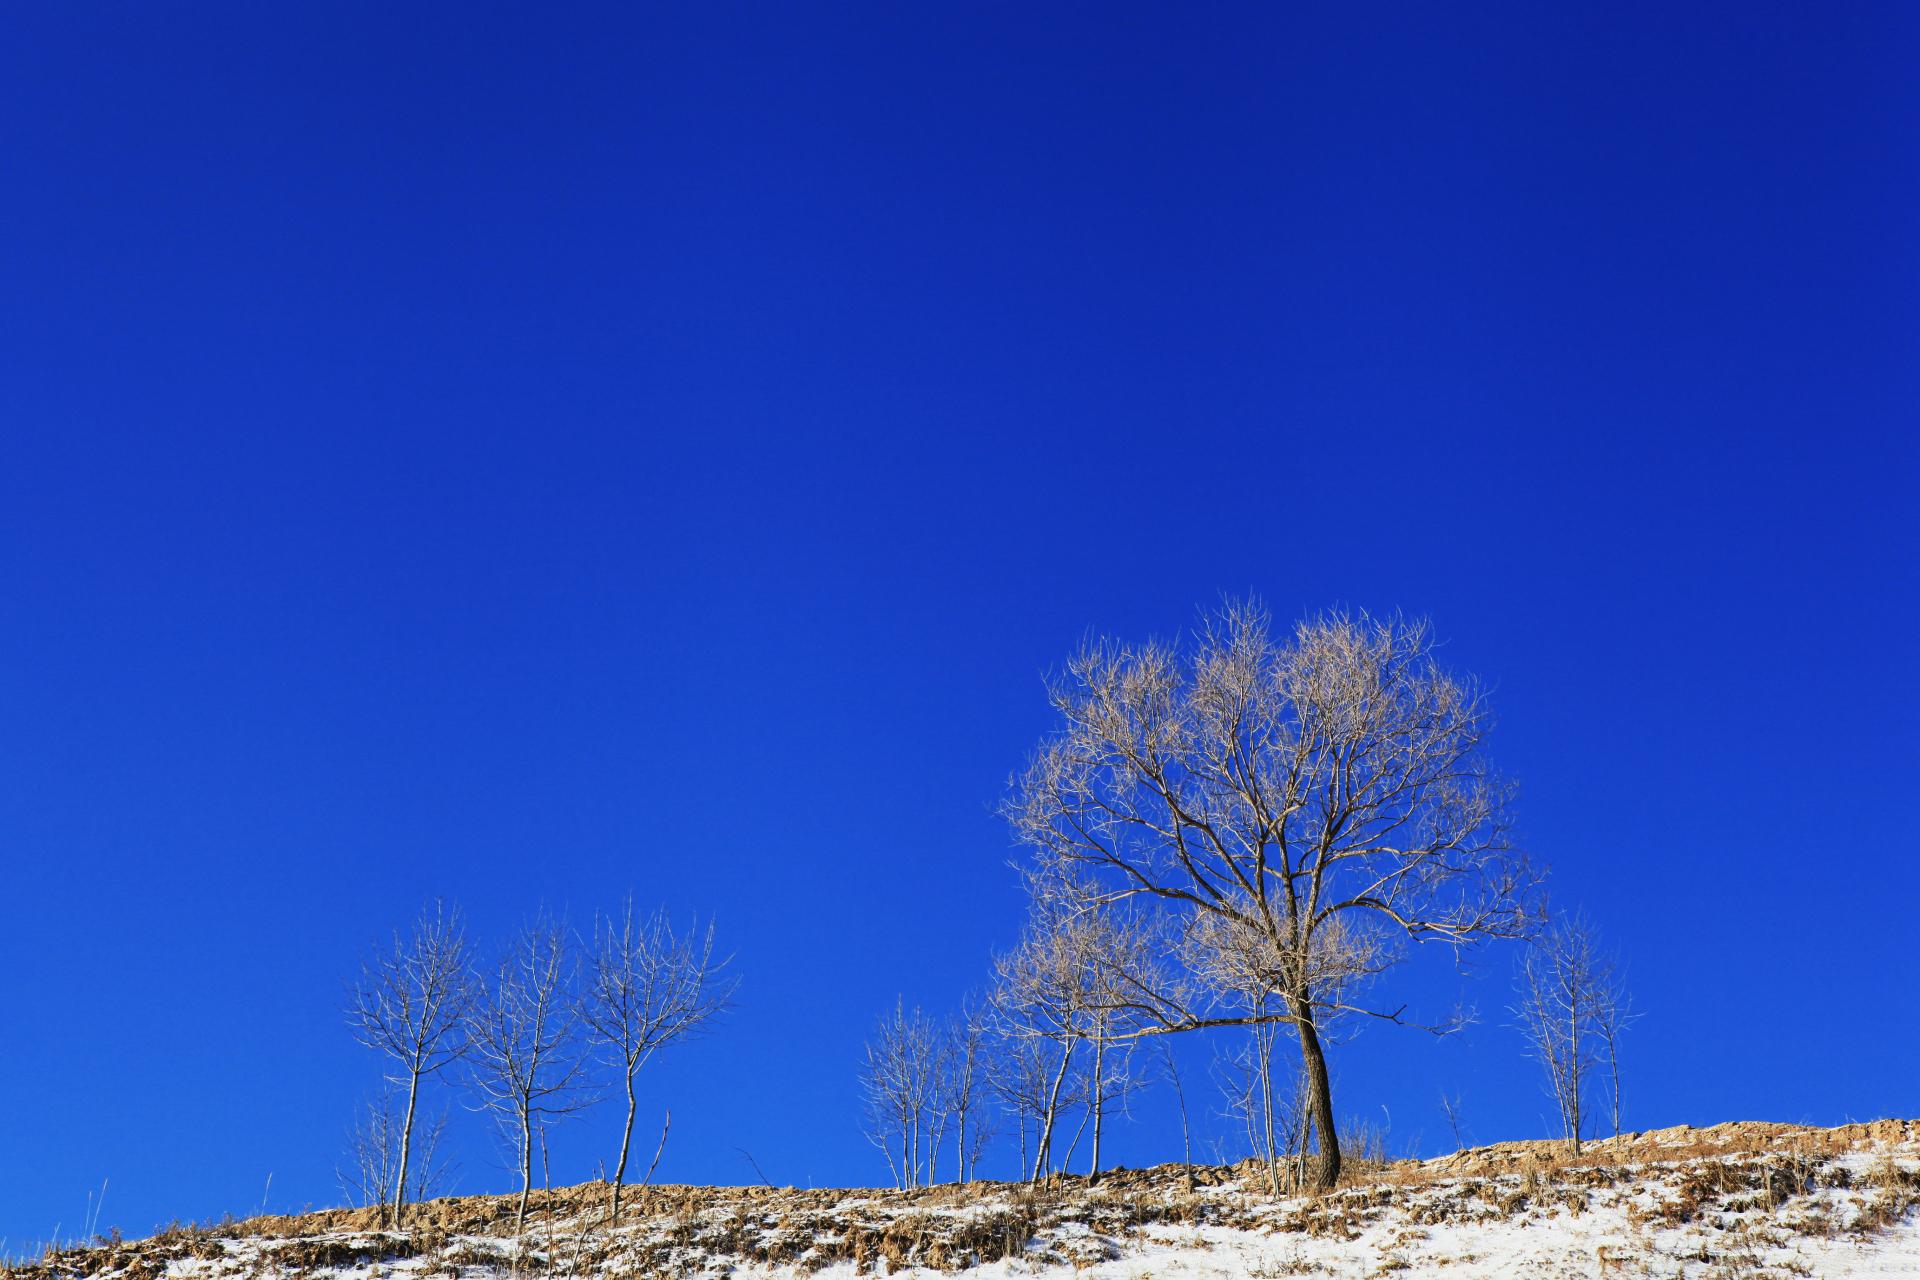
(1573, 1084)
(1186, 1140)
(1263, 1057)
(526, 1171)
(1613, 1065)
(1320, 1090)
(626, 1141)
(406, 1145)
(1099, 1104)
(1053, 1103)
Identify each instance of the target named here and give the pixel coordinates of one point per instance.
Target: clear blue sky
(528, 452)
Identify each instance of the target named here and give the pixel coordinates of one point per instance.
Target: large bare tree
(646, 989)
(530, 1063)
(411, 1002)
(1310, 799)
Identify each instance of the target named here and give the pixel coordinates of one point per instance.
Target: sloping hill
(1735, 1200)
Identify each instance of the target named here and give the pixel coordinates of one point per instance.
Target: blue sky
(527, 453)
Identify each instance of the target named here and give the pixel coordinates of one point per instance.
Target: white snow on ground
(1716, 1208)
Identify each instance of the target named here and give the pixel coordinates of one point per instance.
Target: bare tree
(1279, 788)
(530, 1060)
(1254, 1095)
(922, 1080)
(1270, 1104)
(1022, 1069)
(647, 989)
(1109, 1082)
(1616, 1014)
(1080, 974)
(939, 1112)
(966, 1086)
(1040, 995)
(1572, 1009)
(1122, 961)
(901, 1087)
(411, 1003)
(373, 1149)
(1450, 1108)
(1170, 1068)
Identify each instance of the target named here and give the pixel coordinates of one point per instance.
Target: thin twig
(755, 1163)
(650, 1168)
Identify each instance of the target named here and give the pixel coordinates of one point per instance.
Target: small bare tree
(1262, 1103)
(1271, 1105)
(1281, 788)
(966, 1085)
(1040, 995)
(901, 1084)
(373, 1149)
(1450, 1109)
(1170, 1071)
(411, 1003)
(1123, 962)
(1615, 1016)
(647, 989)
(1109, 1082)
(1572, 1009)
(530, 1060)
(1022, 1069)
(1081, 973)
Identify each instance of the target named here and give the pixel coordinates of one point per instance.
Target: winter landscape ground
(1738, 1199)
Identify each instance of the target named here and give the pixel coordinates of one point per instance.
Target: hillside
(1743, 1199)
